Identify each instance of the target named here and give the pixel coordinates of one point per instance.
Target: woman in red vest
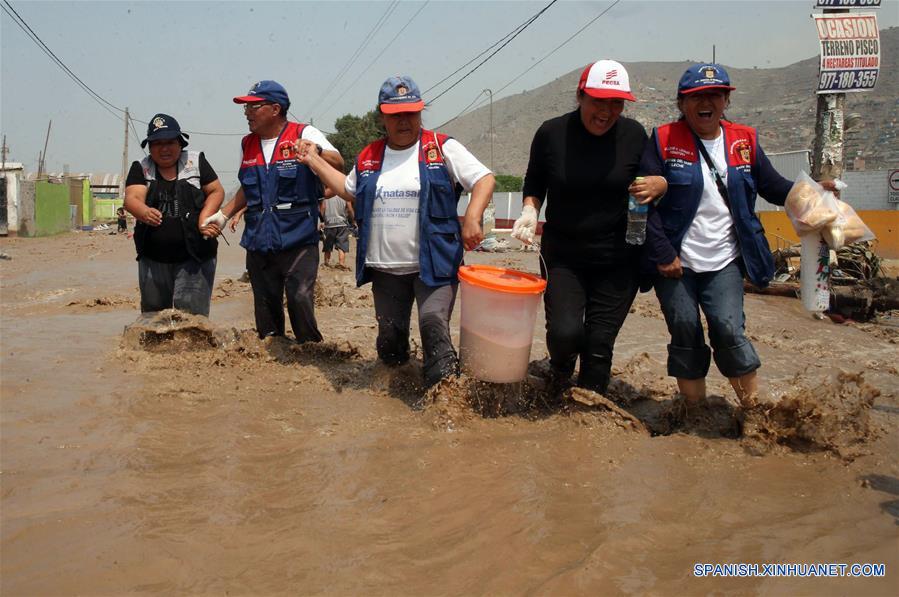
(404, 191)
(703, 237)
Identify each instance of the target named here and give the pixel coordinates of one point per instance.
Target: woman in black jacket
(170, 192)
(584, 164)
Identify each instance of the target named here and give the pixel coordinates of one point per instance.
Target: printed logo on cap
(611, 74)
(254, 87)
(159, 123)
(401, 90)
(710, 73)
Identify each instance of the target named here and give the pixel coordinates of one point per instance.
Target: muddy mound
(456, 400)
(103, 301)
(287, 352)
(336, 293)
(647, 309)
(642, 377)
(833, 416)
(231, 287)
(171, 331)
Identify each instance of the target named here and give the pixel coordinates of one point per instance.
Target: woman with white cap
(404, 190)
(583, 165)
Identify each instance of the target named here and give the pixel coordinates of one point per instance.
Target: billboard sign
(850, 52)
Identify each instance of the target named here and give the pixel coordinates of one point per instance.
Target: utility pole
(4, 151)
(40, 164)
(490, 130)
(124, 156)
(827, 149)
(489, 221)
(713, 55)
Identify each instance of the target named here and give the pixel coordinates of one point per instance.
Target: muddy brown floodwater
(172, 455)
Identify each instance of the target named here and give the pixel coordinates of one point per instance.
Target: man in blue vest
(281, 197)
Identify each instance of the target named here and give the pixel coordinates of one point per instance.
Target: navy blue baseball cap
(704, 76)
(265, 91)
(400, 94)
(163, 126)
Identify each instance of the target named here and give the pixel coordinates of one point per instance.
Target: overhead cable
(481, 53)
(23, 25)
(547, 55)
(101, 101)
(384, 49)
(356, 54)
(507, 42)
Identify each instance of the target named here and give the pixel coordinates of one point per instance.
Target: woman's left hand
(210, 230)
(472, 233)
(648, 189)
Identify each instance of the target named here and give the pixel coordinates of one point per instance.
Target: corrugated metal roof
(101, 179)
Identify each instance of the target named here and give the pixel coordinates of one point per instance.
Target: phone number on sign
(847, 79)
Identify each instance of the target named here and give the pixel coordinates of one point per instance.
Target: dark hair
(284, 108)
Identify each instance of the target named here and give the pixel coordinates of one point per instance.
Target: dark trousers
(585, 309)
(186, 286)
(393, 295)
(293, 270)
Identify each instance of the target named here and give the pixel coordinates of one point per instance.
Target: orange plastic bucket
(499, 309)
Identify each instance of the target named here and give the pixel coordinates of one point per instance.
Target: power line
(101, 101)
(23, 25)
(547, 55)
(136, 136)
(362, 45)
(199, 132)
(482, 52)
(384, 49)
(507, 42)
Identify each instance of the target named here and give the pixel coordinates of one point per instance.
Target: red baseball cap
(606, 79)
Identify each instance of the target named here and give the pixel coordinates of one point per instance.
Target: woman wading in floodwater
(410, 241)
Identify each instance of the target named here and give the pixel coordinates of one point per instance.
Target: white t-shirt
(711, 241)
(310, 132)
(393, 241)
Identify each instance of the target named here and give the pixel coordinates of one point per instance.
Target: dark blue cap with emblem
(704, 76)
(163, 126)
(266, 91)
(400, 94)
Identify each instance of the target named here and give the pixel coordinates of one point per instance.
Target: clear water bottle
(636, 221)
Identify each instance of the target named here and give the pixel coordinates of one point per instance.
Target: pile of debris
(855, 263)
(858, 288)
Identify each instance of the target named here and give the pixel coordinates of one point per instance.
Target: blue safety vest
(440, 246)
(282, 195)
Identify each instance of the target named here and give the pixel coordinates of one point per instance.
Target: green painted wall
(51, 208)
(87, 203)
(104, 209)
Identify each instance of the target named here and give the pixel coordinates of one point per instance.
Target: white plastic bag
(811, 208)
(847, 229)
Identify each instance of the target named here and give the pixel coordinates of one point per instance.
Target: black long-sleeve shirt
(584, 180)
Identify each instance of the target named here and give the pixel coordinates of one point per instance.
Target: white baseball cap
(606, 79)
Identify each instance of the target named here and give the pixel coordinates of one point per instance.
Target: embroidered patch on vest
(741, 152)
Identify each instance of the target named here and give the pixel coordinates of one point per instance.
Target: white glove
(525, 227)
(218, 218)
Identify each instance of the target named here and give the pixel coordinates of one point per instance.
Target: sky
(189, 59)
